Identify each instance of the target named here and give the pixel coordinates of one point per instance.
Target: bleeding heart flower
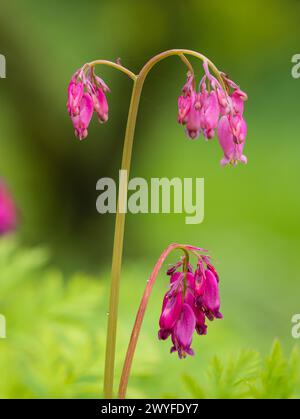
(232, 134)
(83, 119)
(192, 297)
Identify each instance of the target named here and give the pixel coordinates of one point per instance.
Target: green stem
(120, 216)
(118, 247)
(111, 64)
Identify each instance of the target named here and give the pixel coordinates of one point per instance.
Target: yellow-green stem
(118, 247)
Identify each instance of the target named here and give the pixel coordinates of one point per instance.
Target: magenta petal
(213, 270)
(225, 136)
(184, 106)
(237, 102)
(201, 327)
(232, 134)
(209, 297)
(102, 84)
(175, 277)
(83, 119)
(75, 93)
(171, 309)
(224, 101)
(189, 297)
(193, 125)
(190, 279)
(239, 128)
(183, 331)
(101, 106)
(210, 115)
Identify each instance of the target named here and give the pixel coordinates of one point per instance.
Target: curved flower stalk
(199, 110)
(193, 297)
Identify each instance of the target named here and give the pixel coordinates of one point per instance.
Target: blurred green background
(56, 325)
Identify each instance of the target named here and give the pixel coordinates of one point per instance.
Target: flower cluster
(8, 212)
(211, 108)
(86, 94)
(192, 297)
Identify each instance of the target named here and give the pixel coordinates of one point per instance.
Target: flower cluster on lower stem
(192, 298)
(210, 109)
(86, 94)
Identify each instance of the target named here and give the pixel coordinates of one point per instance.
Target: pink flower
(224, 101)
(184, 106)
(200, 111)
(210, 115)
(75, 93)
(193, 124)
(86, 94)
(238, 98)
(191, 298)
(186, 100)
(97, 90)
(101, 106)
(232, 132)
(8, 212)
(183, 332)
(171, 309)
(208, 295)
(83, 119)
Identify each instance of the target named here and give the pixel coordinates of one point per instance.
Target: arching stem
(141, 312)
(138, 82)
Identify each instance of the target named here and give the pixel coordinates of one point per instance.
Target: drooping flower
(193, 296)
(182, 334)
(238, 99)
(186, 100)
(193, 124)
(200, 111)
(210, 115)
(171, 309)
(8, 212)
(75, 93)
(101, 106)
(232, 132)
(82, 120)
(86, 94)
(208, 295)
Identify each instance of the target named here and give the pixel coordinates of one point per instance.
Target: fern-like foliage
(55, 342)
(247, 375)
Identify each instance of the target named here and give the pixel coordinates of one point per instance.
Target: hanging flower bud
(75, 93)
(193, 125)
(232, 134)
(210, 115)
(83, 119)
(86, 94)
